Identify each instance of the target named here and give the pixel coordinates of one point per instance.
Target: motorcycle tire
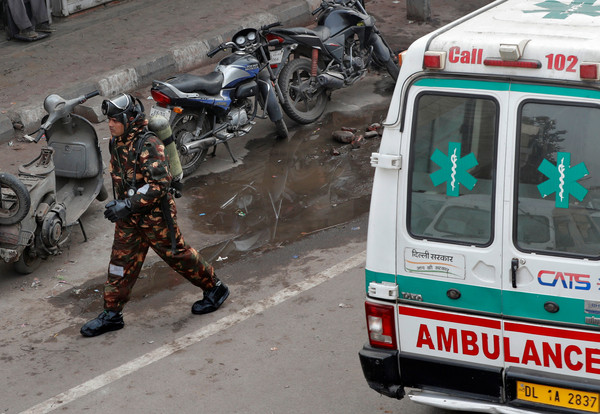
(302, 102)
(14, 199)
(183, 126)
(281, 128)
(27, 262)
(392, 68)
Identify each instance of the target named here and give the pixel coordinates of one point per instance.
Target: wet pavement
(282, 191)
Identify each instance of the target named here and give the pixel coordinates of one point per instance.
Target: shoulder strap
(139, 144)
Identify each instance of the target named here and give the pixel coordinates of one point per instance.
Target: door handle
(514, 265)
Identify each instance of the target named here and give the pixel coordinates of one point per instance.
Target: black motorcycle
(208, 110)
(310, 63)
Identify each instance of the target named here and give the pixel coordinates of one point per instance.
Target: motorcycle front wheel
(304, 99)
(184, 126)
(392, 68)
(14, 199)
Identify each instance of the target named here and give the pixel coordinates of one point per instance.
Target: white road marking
(164, 351)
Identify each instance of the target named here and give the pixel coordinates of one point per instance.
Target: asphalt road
(286, 341)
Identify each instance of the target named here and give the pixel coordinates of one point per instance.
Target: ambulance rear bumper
(381, 370)
(447, 402)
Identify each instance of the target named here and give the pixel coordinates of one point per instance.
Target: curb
(188, 56)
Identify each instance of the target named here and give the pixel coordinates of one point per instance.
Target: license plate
(276, 56)
(558, 397)
(157, 110)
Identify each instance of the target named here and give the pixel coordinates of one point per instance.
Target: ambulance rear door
(550, 299)
(450, 270)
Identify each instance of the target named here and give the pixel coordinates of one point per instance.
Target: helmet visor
(116, 106)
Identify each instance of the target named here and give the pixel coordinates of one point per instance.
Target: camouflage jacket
(152, 180)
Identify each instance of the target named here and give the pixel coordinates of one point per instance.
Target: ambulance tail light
(434, 60)
(588, 71)
(381, 325)
(401, 58)
(525, 64)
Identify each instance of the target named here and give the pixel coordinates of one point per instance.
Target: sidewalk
(125, 44)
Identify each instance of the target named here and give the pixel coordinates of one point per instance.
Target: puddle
(287, 189)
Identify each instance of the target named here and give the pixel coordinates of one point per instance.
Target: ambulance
(483, 250)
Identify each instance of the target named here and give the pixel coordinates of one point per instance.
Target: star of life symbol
(558, 10)
(562, 179)
(453, 169)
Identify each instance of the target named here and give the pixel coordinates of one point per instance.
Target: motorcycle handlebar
(317, 10)
(91, 95)
(222, 46)
(214, 51)
(268, 26)
(40, 135)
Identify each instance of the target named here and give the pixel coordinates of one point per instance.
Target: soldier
(144, 214)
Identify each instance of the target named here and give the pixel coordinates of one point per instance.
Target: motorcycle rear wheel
(183, 127)
(303, 100)
(14, 199)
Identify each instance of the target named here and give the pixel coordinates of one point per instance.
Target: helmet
(124, 108)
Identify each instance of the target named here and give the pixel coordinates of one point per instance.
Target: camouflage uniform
(146, 226)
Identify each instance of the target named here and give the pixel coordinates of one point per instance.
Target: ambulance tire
(15, 200)
(304, 100)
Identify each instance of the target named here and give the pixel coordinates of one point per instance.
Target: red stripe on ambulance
(450, 317)
(480, 340)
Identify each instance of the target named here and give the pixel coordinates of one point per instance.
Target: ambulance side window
(452, 171)
(558, 174)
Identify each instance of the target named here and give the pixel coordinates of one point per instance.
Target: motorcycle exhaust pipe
(331, 80)
(196, 146)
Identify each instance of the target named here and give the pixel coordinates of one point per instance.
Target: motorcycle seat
(210, 83)
(322, 32)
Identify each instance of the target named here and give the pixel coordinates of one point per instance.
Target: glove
(117, 210)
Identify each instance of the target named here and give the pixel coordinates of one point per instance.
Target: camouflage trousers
(133, 237)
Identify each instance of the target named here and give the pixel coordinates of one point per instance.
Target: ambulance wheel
(304, 99)
(14, 199)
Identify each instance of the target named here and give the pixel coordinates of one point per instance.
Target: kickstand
(229, 150)
(82, 230)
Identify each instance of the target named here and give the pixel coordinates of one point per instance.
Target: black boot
(213, 298)
(105, 322)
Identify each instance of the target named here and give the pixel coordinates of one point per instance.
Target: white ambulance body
(483, 271)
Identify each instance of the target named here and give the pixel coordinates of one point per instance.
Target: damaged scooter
(50, 193)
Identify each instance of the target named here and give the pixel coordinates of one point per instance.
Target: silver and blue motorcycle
(205, 111)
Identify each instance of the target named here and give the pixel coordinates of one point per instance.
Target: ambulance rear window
(452, 172)
(558, 173)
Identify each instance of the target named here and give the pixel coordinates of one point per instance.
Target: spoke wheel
(184, 127)
(304, 100)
